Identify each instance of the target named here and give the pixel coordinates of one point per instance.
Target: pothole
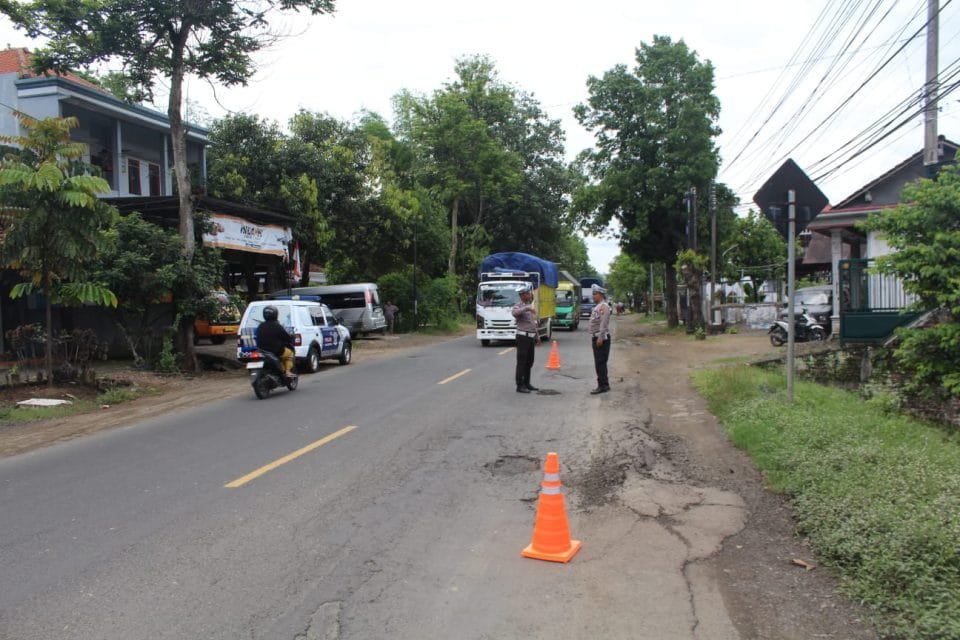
(512, 465)
(600, 483)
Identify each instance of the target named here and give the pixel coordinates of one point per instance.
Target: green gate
(872, 304)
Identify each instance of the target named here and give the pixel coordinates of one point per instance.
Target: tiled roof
(18, 61)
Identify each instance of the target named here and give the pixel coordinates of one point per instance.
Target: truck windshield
(564, 298)
(498, 295)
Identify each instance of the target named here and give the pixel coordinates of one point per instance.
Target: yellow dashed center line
(506, 351)
(253, 475)
(454, 376)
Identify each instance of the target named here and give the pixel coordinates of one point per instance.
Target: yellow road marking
(239, 482)
(454, 376)
(506, 351)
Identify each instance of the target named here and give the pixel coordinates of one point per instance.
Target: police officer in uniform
(600, 338)
(527, 338)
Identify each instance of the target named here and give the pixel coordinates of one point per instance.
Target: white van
(316, 333)
(356, 305)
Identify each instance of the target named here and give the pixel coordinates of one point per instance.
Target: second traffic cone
(553, 362)
(551, 533)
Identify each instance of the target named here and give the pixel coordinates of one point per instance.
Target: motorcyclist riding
(273, 337)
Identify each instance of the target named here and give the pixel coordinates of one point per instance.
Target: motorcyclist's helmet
(270, 313)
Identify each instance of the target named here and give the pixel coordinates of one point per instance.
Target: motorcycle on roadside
(266, 374)
(806, 329)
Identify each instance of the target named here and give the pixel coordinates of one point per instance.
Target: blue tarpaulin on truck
(516, 261)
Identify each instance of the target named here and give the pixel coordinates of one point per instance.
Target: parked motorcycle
(805, 328)
(266, 374)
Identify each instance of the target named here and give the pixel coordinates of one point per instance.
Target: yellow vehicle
(223, 323)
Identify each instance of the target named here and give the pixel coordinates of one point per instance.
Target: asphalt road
(385, 499)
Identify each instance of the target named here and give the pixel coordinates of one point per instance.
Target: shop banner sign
(231, 232)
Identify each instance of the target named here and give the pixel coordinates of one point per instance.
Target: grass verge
(116, 395)
(876, 493)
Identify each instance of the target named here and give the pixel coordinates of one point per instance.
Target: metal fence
(862, 288)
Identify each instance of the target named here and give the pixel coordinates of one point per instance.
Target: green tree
(760, 253)
(55, 219)
(573, 255)
(461, 158)
(253, 161)
(143, 266)
(324, 173)
(924, 231)
(630, 279)
(655, 127)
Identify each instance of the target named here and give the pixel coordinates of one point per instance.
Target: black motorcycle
(266, 374)
(805, 329)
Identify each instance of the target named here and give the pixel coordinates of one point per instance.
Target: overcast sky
(370, 50)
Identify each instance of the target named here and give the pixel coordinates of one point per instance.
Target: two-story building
(132, 146)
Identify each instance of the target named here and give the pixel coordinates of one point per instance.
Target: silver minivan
(356, 305)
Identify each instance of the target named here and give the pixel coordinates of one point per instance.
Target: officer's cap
(598, 289)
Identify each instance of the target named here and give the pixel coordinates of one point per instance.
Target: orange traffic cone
(551, 533)
(553, 362)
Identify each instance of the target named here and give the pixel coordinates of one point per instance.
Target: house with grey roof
(870, 304)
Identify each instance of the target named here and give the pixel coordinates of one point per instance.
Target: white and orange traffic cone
(553, 362)
(551, 532)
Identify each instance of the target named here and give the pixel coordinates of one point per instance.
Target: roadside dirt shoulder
(766, 590)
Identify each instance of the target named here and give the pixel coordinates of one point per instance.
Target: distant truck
(502, 277)
(586, 297)
(567, 302)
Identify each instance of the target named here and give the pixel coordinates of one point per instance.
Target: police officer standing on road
(600, 338)
(527, 337)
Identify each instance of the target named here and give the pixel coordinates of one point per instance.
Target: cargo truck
(502, 277)
(567, 312)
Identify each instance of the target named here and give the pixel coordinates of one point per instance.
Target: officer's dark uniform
(527, 338)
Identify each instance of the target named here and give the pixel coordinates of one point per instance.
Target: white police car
(317, 334)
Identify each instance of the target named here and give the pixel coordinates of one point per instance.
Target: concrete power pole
(931, 151)
(714, 317)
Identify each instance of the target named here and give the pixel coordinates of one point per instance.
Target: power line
(820, 127)
(891, 122)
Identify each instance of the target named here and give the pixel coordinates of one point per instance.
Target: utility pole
(416, 309)
(713, 251)
(791, 285)
(691, 198)
(651, 305)
(931, 151)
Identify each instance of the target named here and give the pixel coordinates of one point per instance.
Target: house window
(153, 178)
(133, 177)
